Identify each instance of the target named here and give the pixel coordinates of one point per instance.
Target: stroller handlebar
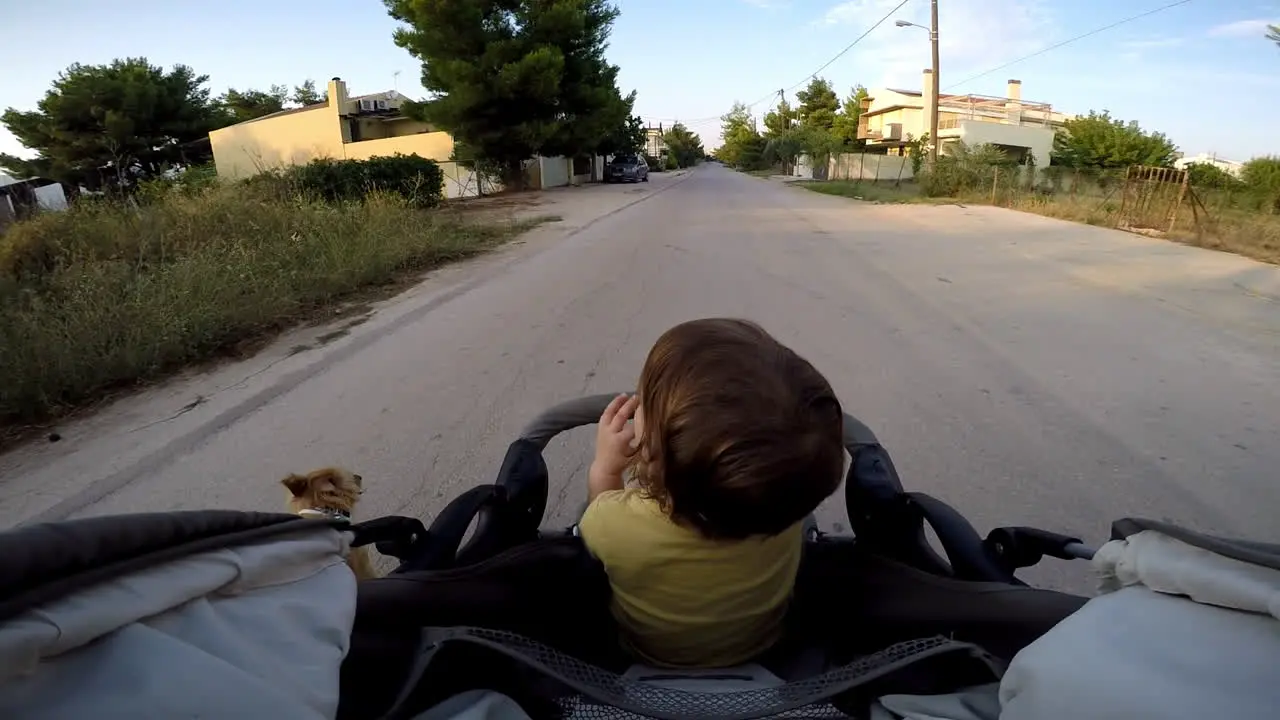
(587, 410)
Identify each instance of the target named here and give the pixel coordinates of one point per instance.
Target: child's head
(738, 435)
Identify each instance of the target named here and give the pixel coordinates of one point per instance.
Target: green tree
(1273, 33)
(626, 139)
(243, 105)
(818, 104)
(683, 145)
(514, 78)
(1204, 175)
(111, 126)
(780, 119)
(845, 127)
(742, 146)
(1101, 141)
(1262, 174)
(306, 94)
(782, 149)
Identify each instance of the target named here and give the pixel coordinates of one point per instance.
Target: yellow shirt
(684, 600)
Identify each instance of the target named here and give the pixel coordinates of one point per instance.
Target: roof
(385, 95)
(290, 111)
(913, 93)
(889, 108)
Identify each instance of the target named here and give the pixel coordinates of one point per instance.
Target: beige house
(892, 118)
(654, 144)
(344, 127)
(365, 126)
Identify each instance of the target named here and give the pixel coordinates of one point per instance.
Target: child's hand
(614, 437)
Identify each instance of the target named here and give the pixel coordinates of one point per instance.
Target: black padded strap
(601, 687)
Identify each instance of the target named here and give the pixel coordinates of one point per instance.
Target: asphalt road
(1026, 370)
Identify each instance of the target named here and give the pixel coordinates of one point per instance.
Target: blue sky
(1202, 72)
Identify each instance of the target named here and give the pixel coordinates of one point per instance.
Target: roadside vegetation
(156, 264)
(113, 292)
(1088, 179)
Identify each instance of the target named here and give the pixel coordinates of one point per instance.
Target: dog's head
(326, 489)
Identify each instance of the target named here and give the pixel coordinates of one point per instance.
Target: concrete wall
(460, 182)
(911, 119)
(866, 166)
(294, 139)
(436, 146)
(1039, 140)
(555, 171)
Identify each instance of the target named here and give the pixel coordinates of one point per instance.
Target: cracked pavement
(1026, 370)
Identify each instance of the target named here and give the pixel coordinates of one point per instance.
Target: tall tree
(242, 105)
(514, 78)
(742, 146)
(684, 145)
(845, 128)
(818, 104)
(780, 119)
(1262, 173)
(109, 126)
(306, 94)
(1273, 33)
(1099, 140)
(626, 139)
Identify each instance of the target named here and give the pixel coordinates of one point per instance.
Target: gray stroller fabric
(255, 630)
(1180, 632)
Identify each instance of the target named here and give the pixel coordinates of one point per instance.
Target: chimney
(1013, 106)
(926, 89)
(338, 95)
(1015, 90)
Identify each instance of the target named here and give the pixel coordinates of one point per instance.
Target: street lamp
(933, 43)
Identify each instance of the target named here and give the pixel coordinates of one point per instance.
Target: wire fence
(1154, 201)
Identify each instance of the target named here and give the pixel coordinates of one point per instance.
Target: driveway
(1029, 371)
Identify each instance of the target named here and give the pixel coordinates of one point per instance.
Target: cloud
(1242, 28)
(973, 36)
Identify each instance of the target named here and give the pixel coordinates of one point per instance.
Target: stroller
(488, 615)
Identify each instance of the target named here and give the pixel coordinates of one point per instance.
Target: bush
(418, 180)
(672, 163)
(655, 164)
(106, 294)
(965, 169)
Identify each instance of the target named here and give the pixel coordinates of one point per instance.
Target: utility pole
(786, 114)
(937, 81)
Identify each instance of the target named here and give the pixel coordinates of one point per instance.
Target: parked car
(626, 168)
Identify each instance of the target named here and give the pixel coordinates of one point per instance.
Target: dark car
(627, 168)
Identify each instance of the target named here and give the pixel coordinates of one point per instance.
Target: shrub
(672, 162)
(416, 179)
(106, 294)
(965, 169)
(654, 163)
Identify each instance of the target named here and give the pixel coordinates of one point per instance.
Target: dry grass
(1251, 234)
(103, 296)
(868, 191)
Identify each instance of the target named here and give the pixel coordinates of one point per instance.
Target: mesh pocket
(597, 693)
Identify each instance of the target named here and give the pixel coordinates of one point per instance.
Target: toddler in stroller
(220, 614)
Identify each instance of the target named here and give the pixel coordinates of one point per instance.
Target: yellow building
(892, 118)
(344, 127)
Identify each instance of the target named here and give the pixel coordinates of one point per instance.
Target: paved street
(1026, 370)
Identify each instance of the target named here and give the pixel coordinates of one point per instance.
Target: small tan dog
(330, 493)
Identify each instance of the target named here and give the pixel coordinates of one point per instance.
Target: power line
(849, 47)
(824, 66)
(1068, 42)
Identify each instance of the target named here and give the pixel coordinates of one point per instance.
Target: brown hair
(740, 435)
